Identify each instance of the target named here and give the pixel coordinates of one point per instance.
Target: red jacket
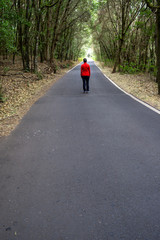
(85, 70)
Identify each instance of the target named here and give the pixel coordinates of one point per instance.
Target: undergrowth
(2, 98)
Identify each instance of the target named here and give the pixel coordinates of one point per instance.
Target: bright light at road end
(89, 54)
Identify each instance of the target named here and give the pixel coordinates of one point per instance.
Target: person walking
(85, 75)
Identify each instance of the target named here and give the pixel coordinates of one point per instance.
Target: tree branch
(151, 6)
(72, 22)
(49, 6)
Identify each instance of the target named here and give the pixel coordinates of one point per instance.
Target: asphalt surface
(82, 166)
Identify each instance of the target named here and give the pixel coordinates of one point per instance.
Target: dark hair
(85, 60)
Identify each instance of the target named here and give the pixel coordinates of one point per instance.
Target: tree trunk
(19, 28)
(54, 37)
(158, 45)
(118, 55)
(47, 49)
(26, 39)
(37, 30)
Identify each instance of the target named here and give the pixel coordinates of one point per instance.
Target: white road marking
(73, 68)
(135, 98)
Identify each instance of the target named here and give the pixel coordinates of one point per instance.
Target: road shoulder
(22, 91)
(140, 86)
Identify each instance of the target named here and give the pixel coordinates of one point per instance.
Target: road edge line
(73, 68)
(130, 95)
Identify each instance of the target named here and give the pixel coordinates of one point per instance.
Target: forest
(124, 33)
(127, 33)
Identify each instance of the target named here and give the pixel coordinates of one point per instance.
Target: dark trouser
(85, 83)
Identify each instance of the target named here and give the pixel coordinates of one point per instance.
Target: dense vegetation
(47, 29)
(124, 32)
(127, 33)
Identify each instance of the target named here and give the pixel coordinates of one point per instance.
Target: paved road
(82, 166)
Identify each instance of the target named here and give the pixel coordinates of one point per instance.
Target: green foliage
(130, 68)
(67, 65)
(7, 28)
(108, 62)
(145, 12)
(151, 68)
(39, 75)
(6, 69)
(128, 41)
(80, 59)
(139, 24)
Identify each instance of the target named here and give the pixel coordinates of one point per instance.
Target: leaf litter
(21, 89)
(142, 86)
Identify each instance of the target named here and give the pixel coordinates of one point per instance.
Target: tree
(124, 34)
(7, 27)
(129, 11)
(156, 10)
(45, 28)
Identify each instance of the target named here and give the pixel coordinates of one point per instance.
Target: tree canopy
(127, 33)
(45, 28)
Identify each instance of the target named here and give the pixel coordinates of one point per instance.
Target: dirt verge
(21, 89)
(142, 86)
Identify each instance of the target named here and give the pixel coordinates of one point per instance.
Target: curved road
(82, 166)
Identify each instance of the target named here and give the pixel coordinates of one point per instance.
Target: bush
(109, 62)
(6, 69)
(39, 75)
(130, 68)
(152, 69)
(7, 26)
